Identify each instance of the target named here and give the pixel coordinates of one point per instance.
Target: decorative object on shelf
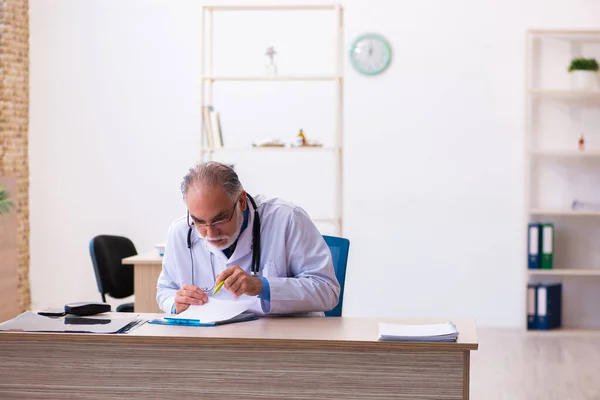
(5, 203)
(268, 143)
(300, 138)
(584, 73)
(271, 66)
(370, 54)
(581, 143)
(301, 141)
(583, 205)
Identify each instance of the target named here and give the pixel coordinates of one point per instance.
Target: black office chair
(112, 276)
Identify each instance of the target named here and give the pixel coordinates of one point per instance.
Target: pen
(219, 286)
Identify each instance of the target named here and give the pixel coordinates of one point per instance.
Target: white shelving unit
(558, 172)
(209, 77)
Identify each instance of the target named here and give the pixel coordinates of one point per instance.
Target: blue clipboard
(196, 322)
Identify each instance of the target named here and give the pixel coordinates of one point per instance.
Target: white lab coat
(295, 260)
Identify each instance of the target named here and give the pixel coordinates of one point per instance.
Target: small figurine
(271, 67)
(581, 143)
(300, 138)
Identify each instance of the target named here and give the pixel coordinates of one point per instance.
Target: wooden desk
(271, 358)
(146, 269)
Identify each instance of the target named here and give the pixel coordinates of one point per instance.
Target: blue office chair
(339, 252)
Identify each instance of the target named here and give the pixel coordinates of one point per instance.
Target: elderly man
(261, 247)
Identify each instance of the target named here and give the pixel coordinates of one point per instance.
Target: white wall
(434, 169)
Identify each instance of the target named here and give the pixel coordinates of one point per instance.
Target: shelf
(565, 153)
(273, 148)
(564, 332)
(567, 94)
(573, 35)
(272, 7)
(278, 78)
(566, 213)
(564, 272)
(324, 77)
(559, 178)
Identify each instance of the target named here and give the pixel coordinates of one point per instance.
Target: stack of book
(212, 125)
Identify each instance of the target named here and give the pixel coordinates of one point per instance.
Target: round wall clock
(370, 54)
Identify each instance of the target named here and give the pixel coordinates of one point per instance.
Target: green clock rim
(370, 35)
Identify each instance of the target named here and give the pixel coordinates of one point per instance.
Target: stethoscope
(255, 244)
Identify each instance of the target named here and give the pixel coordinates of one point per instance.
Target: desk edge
(142, 339)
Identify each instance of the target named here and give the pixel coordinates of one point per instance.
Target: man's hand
(188, 295)
(239, 282)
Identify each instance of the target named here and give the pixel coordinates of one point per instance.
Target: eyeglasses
(218, 222)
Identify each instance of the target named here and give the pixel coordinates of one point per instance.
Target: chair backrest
(113, 278)
(339, 252)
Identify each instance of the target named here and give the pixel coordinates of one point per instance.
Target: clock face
(370, 54)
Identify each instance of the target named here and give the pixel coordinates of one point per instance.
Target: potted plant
(584, 73)
(5, 204)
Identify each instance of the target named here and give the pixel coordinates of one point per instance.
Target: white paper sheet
(101, 323)
(445, 332)
(215, 310)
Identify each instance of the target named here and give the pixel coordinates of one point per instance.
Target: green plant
(583, 64)
(5, 204)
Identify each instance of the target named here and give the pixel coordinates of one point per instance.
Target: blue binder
(531, 306)
(534, 239)
(549, 306)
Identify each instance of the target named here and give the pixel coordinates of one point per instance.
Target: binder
(531, 306)
(547, 246)
(534, 234)
(549, 306)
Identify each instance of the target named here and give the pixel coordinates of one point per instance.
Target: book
(443, 332)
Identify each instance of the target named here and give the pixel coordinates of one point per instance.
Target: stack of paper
(215, 312)
(445, 332)
(101, 323)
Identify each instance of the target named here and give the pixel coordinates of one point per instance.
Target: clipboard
(196, 322)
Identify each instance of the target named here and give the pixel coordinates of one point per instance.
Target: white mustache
(217, 239)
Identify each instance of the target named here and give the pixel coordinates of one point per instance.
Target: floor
(517, 365)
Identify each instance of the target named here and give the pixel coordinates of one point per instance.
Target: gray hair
(212, 174)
